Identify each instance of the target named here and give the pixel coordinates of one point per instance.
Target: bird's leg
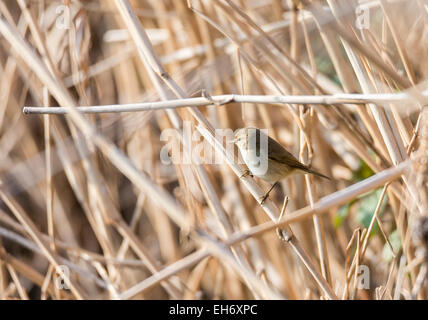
(263, 199)
(247, 172)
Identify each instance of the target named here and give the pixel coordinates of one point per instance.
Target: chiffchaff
(267, 159)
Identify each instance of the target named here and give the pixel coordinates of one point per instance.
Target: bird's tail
(318, 174)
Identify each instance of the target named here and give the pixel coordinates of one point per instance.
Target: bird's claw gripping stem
(247, 172)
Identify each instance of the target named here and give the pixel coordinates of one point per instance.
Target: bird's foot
(262, 199)
(246, 173)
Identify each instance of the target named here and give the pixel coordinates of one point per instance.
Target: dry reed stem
(350, 98)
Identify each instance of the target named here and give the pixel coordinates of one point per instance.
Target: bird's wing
(279, 154)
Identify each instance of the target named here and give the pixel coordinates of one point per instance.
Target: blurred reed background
(89, 211)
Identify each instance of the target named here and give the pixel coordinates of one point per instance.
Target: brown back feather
(278, 153)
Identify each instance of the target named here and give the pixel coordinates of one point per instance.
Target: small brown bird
(267, 159)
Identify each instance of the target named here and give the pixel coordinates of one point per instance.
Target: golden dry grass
(85, 196)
